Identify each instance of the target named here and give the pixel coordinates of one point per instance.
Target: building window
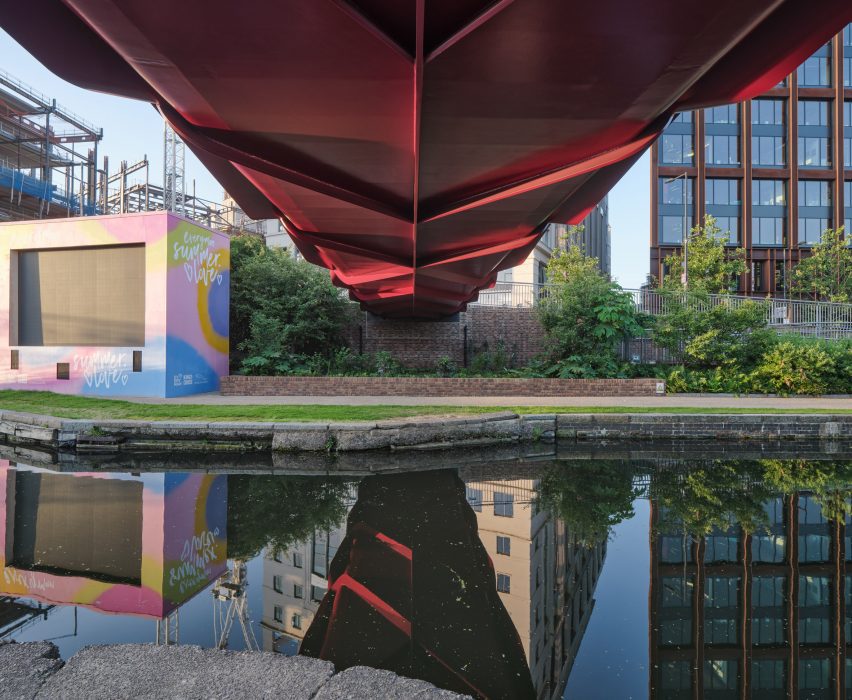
(768, 151)
(811, 229)
(296, 621)
(729, 227)
(816, 70)
(814, 193)
(815, 151)
(504, 545)
(682, 118)
(317, 594)
(767, 231)
(722, 149)
(277, 584)
(474, 498)
(814, 674)
(757, 278)
(671, 229)
(767, 112)
(504, 504)
(671, 190)
(814, 113)
(676, 149)
(847, 55)
(721, 675)
(768, 193)
(726, 114)
(278, 613)
(504, 583)
(298, 591)
(722, 191)
(780, 282)
(769, 674)
(298, 561)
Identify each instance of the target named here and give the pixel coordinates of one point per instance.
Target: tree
(281, 309)
(827, 272)
(584, 315)
(712, 265)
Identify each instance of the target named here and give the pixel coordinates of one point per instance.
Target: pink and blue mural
(185, 307)
(168, 538)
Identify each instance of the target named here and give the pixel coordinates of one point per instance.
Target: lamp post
(685, 276)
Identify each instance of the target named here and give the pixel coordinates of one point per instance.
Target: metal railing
(820, 319)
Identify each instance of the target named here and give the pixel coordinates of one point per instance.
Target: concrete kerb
(426, 431)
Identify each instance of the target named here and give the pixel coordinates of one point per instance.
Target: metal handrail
(800, 316)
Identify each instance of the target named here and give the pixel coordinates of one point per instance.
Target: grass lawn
(63, 406)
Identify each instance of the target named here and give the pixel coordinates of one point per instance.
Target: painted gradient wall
(186, 290)
(184, 543)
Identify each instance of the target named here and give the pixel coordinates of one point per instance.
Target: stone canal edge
(420, 432)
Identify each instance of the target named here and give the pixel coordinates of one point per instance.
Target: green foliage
(282, 310)
(721, 335)
(489, 362)
(827, 272)
(280, 511)
(446, 367)
(712, 265)
(716, 496)
(796, 368)
(584, 316)
(591, 497)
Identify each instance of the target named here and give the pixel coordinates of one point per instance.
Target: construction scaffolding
(49, 169)
(48, 156)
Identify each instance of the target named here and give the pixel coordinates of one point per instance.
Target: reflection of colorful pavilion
(116, 543)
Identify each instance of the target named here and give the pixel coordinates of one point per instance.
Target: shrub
(584, 316)
(795, 368)
(283, 311)
(708, 336)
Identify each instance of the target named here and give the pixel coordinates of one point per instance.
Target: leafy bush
(721, 335)
(584, 316)
(283, 311)
(795, 368)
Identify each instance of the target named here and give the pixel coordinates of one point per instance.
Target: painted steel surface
(417, 147)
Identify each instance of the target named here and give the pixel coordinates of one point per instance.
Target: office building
(775, 171)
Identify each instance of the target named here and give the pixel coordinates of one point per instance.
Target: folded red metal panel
(417, 147)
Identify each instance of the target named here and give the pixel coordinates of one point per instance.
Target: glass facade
(676, 149)
(814, 210)
(816, 70)
(722, 149)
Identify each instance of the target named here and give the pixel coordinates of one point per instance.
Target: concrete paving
(679, 400)
(33, 671)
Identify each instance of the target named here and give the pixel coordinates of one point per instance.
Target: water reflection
(486, 580)
(127, 544)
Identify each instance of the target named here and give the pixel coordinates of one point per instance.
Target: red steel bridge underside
(417, 147)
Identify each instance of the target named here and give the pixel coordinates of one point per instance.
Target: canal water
(665, 575)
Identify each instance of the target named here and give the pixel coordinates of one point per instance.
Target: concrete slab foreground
(34, 671)
(24, 668)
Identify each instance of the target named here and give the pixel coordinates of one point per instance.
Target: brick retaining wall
(435, 386)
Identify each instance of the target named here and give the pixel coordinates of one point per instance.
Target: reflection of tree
(829, 481)
(278, 511)
(590, 497)
(725, 494)
(716, 495)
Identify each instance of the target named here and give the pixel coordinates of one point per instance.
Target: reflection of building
(545, 582)
(769, 170)
(134, 545)
(294, 583)
(765, 615)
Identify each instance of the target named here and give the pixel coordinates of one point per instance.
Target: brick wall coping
(240, 385)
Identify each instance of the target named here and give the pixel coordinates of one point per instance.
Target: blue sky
(134, 129)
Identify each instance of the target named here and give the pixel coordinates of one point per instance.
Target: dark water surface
(667, 575)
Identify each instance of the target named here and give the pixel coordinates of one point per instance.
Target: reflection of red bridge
(416, 147)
